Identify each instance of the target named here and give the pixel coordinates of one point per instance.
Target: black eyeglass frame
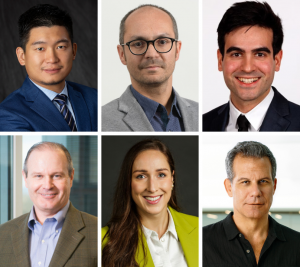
(151, 41)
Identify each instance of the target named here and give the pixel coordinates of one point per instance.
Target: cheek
(230, 66)
(136, 188)
(267, 68)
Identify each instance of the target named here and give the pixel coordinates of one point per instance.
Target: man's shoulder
(14, 224)
(90, 220)
(214, 112)
(290, 234)
(84, 90)
(213, 229)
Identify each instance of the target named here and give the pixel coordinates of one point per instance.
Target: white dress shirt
(166, 251)
(255, 116)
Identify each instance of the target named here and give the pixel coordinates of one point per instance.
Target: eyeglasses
(161, 45)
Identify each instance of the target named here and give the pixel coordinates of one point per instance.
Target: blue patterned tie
(62, 102)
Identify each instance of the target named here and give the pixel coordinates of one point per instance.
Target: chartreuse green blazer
(187, 231)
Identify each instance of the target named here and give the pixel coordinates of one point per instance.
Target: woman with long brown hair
(146, 228)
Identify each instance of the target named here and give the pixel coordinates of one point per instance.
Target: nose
(248, 64)
(152, 185)
(151, 52)
(48, 182)
(51, 56)
(255, 190)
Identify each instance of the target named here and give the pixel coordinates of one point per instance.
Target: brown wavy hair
(125, 226)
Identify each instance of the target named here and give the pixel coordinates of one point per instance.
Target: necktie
(62, 102)
(243, 123)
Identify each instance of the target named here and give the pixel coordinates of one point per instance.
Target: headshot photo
(250, 48)
(49, 76)
(251, 201)
(150, 59)
(149, 201)
(52, 220)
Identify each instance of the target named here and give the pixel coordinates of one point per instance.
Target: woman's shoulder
(193, 220)
(103, 233)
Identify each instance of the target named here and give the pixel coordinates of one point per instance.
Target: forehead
(249, 36)
(149, 22)
(151, 158)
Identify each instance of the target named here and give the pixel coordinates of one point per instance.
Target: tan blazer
(76, 246)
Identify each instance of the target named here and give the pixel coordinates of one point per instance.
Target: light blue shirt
(51, 95)
(43, 238)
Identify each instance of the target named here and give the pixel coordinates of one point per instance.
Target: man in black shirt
(249, 236)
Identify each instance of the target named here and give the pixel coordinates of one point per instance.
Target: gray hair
(122, 25)
(249, 149)
(51, 145)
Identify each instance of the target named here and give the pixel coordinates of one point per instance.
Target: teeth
(251, 80)
(152, 198)
(48, 195)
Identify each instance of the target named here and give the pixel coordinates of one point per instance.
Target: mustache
(150, 62)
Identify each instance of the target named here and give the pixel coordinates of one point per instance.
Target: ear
(25, 179)
(20, 55)
(173, 176)
(72, 178)
(278, 58)
(74, 50)
(228, 187)
(220, 60)
(121, 52)
(178, 49)
(275, 184)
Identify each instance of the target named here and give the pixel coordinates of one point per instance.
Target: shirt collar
(49, 93)
(255, 116)
(171, 228)
(275, 229)
(150, 106)
(59, 216)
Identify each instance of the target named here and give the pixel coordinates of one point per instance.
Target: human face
(151, 68)
(49, 56)
(249, 65)
(151, 183)
(48, 181)
(252, 187)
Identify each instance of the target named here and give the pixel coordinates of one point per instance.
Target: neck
(158, 223)
(160, 92)
(245, 106)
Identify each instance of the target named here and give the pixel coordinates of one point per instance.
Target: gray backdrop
(84, 16)
(185, 153)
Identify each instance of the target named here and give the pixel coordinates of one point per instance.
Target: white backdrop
(285, 149)
(215, 91)
(115, 77)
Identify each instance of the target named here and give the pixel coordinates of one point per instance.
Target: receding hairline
(47, 146)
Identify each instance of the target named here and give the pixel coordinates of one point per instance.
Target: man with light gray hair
(54, 233)
(248, 236)
(149, 47)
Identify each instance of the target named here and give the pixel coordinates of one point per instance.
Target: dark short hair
(250, 13)
(122, 24)
(43, 15)
(51, 145)
(249, 149)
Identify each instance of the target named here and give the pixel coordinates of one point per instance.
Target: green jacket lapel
(139, 256)
(69, 238)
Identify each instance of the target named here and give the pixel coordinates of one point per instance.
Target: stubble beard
(52, 82)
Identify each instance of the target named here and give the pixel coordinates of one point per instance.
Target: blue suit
(282, 115)
(29, 109)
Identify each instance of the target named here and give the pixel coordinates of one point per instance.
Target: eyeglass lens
(161, 45)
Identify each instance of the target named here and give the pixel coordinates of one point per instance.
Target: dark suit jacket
(29, 109)
(282, 115)
(76, 246)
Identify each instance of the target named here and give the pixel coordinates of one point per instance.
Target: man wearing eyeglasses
(149, 47)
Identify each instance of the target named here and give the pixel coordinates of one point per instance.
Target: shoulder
(290, 234)
(213, 229)
(110, 107)
(90, 220)
(192, 103)
(87, 92)
(10, 226)
(104, 230)
(182, 218)
(214, 112)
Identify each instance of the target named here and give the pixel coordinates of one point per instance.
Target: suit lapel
(80, 110)
(220, 122)
(188, 237)
(275, 118)
(187, 114)
(135, 116)
(69, 238)
(139, 256)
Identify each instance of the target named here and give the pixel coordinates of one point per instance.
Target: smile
(51, 71)
(248, 80)
(48, 195)
(153, 200)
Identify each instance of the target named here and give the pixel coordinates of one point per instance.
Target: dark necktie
(62, 102)
(243, 123)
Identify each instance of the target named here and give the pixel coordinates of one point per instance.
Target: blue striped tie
(62, 102)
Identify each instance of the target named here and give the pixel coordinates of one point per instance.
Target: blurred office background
(14, 198)
(217, 204)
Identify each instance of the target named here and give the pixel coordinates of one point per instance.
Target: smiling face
(49, 56)
(151, 68)
(151, 183)
(249, 65)
(48, 181)
(252, 187)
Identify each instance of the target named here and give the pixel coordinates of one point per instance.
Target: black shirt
(225, 246)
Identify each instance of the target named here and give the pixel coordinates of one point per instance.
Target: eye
(40, 49)
(138, 44)
(57, 176)
(259, 54)
(141, 176)
(61, 47)
(236, 54)
(161, 175)
(245, 182)
(263, 181)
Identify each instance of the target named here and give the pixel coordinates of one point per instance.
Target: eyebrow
(158, 170)
(43, 42)
(139, 37)
(259, 49)
(244, 178)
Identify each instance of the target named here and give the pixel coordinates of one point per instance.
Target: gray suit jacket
(125, 114)
(76, 246)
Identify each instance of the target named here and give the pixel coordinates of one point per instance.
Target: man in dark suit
(46, 102)
(250, 38)
(54, 233)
